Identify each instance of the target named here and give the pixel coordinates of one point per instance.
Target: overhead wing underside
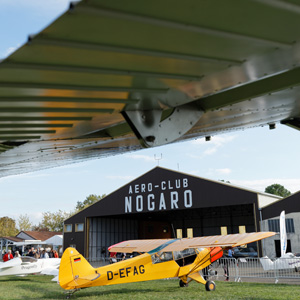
(114, 76)
(230, 241)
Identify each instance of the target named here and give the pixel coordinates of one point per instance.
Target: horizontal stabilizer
(50, 271)
(11, 263)
(84, 280)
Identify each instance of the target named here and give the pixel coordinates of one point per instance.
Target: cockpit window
(160, 257)
(184, 253)
(28, 259)
(185, 257)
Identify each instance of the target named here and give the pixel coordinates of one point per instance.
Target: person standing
(227, 263)
(7, 256)
(17, 254)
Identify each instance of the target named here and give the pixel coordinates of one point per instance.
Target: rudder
(73, 266)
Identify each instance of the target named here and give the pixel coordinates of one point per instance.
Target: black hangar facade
(164, 204)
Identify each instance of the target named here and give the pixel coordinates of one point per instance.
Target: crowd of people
(32, 252)
(42, 253)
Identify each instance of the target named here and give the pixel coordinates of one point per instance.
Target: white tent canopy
(56, 240)
(29, 242)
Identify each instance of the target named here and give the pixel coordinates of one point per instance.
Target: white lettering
(139, 203)
(177, 183)
(151, 204)
(169, 185)
(163, 185)
(136, 188)
(128, 206)
(162, 202)
(174, 200)
(149, 187)
(188, 199)
(130, 190)
(185, 182)
(143, 187)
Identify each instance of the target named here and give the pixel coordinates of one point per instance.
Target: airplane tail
(267, 263)
(75, 270)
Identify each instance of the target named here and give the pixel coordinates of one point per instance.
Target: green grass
(41, 287)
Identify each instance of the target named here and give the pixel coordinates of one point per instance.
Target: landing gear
(210, 286)
(182, 284)
(70, 293)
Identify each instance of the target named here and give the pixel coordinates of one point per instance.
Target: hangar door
(104, 232)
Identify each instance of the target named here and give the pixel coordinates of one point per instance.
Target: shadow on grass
(14, 278)
(90, 292)
(43, 291)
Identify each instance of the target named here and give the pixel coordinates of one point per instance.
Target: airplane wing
(114, 76)
(224, 241)
(50, 271)
(11, 263)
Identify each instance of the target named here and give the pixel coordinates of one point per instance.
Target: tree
(277, 189)
(52, 221)
(23, 223)
(39, 227)
(222, 180)
(8, 227)
(91, 199)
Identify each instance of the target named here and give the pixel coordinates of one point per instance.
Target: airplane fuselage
(147, 266)
(27, 265)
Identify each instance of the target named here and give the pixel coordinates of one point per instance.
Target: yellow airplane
(161, 258)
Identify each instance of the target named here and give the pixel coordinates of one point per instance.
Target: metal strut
(70, 293)
(152, 131)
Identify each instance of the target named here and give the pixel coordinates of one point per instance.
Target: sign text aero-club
(166, 195)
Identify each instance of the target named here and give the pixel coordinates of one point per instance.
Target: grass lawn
(41, 287)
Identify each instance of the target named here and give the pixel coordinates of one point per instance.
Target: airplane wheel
(182, 284)
(210, 286)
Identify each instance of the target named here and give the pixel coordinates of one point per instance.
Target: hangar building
(164, 204)
(270, 217)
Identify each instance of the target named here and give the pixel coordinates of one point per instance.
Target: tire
(182, 284)
(210, 286)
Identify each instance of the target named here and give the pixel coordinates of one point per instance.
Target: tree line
(53, 221)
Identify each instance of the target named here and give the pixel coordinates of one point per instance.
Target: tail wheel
(182, 284)
(210, 286)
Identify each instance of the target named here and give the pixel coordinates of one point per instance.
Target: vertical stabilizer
(283, 237)
(75, 270)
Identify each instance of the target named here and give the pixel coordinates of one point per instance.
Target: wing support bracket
(152, 131)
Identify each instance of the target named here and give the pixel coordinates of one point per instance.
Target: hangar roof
(161, 189)
(289, 205)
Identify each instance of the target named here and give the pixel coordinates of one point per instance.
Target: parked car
(244, 252)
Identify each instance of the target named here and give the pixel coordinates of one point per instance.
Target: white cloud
(218, 140)
(223, 171)
(212, 146)
(146, 158)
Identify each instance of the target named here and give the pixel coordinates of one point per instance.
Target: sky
(253, 159)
